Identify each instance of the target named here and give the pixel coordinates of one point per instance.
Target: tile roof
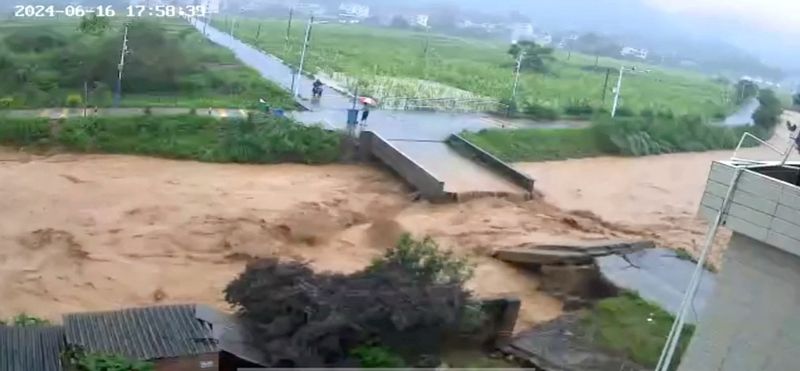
(31, 348)
(141, 333)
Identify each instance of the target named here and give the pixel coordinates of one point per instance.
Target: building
(421, 20)
(169, 336)
(353, 12)
(751, 320)
(633, 52)
(36, 348)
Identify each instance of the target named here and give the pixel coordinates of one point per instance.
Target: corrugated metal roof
(141, 333)
(31, 348)
(231, 334)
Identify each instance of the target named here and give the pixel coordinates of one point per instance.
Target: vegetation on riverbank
(630, 136)
(45, 63)
(569, 84)
(634, 327)
(258, 139)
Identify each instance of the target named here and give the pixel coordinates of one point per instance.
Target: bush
(148, 111)
(377, 357)
(6, 102)
(624, 112)
(24, 320)
(74, 100)
(193, 111)
(540, 112)
(203, 138)
(769, 111)
(424, 260)
(307, 319)
(78, 360)
(579, 108)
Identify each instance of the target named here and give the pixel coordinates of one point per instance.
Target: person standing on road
(364, 115)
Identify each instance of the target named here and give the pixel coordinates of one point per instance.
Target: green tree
(534, 55)
(93, 25)
(796, 99)
(744, 90)
(769, 109)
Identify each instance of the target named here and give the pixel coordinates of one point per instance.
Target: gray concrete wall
(495, 164)
(428, 185)
(752, 321)
(761, 207)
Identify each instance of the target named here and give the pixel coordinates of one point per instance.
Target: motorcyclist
(317, 90)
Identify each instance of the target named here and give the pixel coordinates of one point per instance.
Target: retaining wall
(373, 145)
(472, 151)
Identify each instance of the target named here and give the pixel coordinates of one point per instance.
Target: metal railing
(441, 104)
(783, 153)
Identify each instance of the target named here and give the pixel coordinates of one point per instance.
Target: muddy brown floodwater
(97, 232)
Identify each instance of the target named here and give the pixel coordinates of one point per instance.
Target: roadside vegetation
(72, 63)
(258, 139)
(647, 134)
(552, 84)
(634, 327)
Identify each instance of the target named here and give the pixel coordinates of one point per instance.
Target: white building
(421, 20)
(353, 12)
(633, 52)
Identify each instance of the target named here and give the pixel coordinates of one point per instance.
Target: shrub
(6, 102)
(193, 111)
(307, 319)
(624, 112)
(78, 360)
(74, 100)
(24, 320)
(148, 111)
(769, 110)
(377, 357)
(540, 112)
(579, 108)
(424, 260)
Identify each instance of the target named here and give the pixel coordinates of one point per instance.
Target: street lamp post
(616, 92)
(296, 80)
(120, 67)
(516, 76)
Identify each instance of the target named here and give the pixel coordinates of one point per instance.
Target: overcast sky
(779, 16)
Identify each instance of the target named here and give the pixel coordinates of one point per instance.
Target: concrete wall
(761, 207)
(202, 362)
(495, 164)
(372, 144)
(752, 321)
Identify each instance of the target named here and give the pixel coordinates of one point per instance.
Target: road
(419, 135)
(744, 115)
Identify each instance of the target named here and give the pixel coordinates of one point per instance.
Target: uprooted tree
(305, 319)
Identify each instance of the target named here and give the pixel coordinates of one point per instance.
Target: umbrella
(368, 100)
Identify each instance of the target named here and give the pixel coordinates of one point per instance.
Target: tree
(534, 55)
(769, 109)
(399, 22)
(744, 90)
(796, 99)
(93, 25)
(596, 45)
(304, 319)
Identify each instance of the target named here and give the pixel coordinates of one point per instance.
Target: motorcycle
(316, 92)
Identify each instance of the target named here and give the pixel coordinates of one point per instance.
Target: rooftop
(31, 348)
(141, 333)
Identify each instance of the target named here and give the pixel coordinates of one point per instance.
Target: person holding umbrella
(367, 102)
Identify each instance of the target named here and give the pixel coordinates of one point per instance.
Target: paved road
(743, 116)
(60, 112)
(418, 135)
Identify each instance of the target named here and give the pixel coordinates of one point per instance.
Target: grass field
(636, 136)
(45, 62)
(479, 66)
(634, 327)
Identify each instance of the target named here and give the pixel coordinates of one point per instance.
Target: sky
(776, 16)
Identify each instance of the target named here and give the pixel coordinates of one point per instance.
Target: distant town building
(526, 32)
(634, 52)
(353, 12)
(310, 8)
(421, 20)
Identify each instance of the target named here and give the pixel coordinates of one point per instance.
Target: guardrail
(441, 104)
(462, 145)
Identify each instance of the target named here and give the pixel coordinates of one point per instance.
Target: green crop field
(45, 62)
(480, 67)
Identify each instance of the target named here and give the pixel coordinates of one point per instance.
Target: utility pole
(289, 29)
(605, 84)
(616, 92)
(208, 17)
(296, 85)
(258, 31)
(233, 23)
(121, 66)
(85, 96)
(516, 76)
